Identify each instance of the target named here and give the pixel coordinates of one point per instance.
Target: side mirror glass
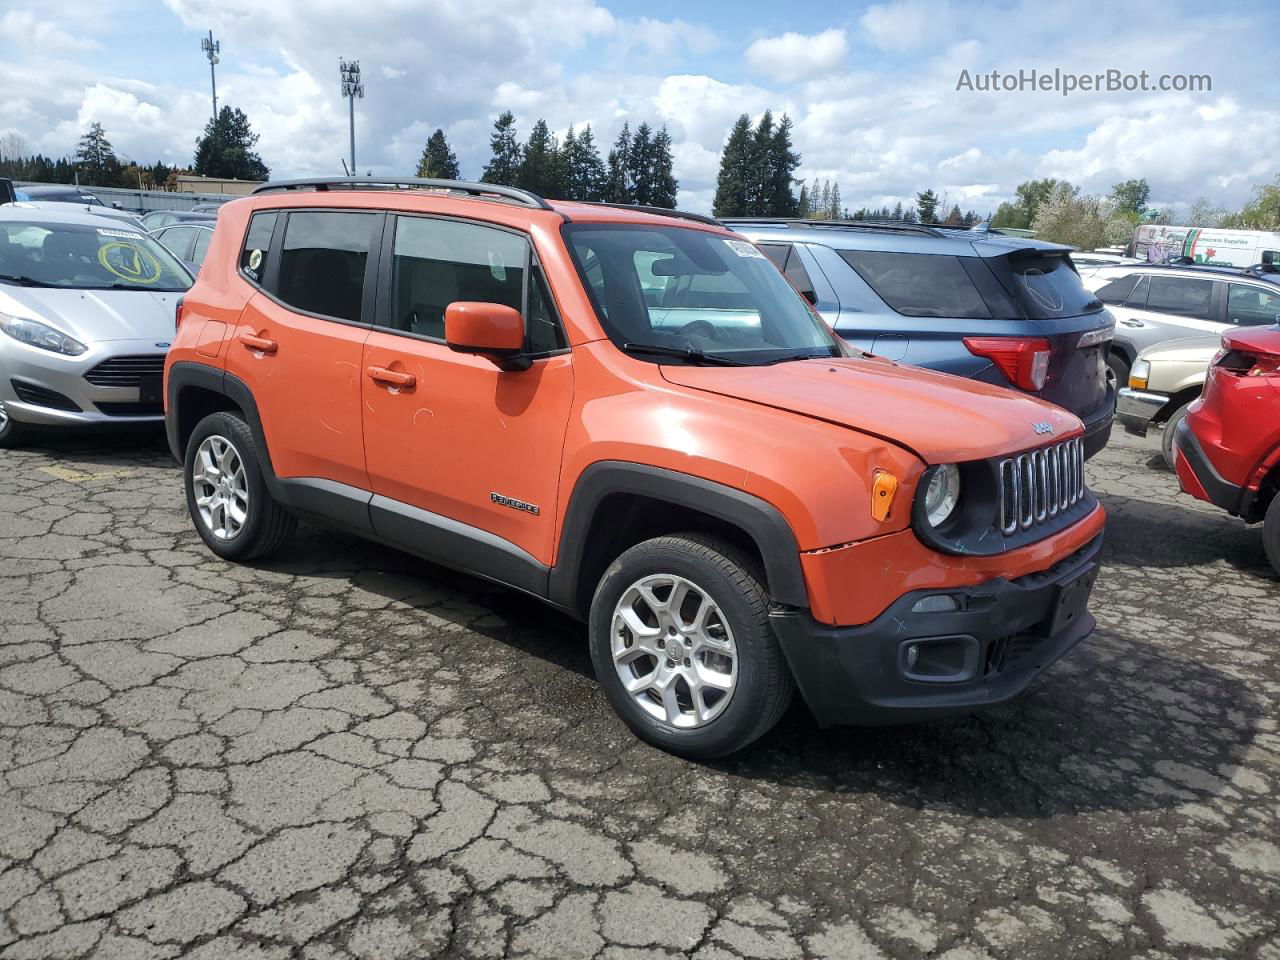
(490, 330)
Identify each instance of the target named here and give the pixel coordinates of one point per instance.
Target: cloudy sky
(871, 86)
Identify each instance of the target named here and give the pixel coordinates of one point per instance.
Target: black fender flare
(760, 520)
(186, 374)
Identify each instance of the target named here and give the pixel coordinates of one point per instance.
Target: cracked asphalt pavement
(345, 752)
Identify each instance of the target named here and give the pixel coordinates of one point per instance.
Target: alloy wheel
(221, 487)
(674, 651)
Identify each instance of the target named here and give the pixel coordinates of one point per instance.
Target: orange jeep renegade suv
(632, 415)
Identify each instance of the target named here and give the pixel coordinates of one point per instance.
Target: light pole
(352, 88)
(211, 47)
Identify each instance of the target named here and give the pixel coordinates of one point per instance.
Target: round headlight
(941, 493)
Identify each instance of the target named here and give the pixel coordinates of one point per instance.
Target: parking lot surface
(346, 752)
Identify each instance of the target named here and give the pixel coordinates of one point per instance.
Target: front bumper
(1097, 432)
(1137, 409)
(1198, 477)
(1006, 632)
(43, 388)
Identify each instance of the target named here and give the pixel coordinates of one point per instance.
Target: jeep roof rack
(659, 211)
(895, 226)
(480, 191)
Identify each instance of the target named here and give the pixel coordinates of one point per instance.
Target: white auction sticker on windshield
(744, 249)
(119, 233)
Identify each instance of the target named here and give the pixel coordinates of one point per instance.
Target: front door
(299, 341)
(448, 433)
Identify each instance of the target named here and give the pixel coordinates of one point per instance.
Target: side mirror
(490, 330)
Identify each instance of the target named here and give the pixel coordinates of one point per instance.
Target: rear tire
(12, 433)
(1117, 371)
(688, 593)
(227, 495)
(1271, 533)
(1170, 428)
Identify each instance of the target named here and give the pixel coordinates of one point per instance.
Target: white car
(87, 309)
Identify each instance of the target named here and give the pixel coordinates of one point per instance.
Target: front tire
(683, 648)
(227, 495)
(1117, 371)
(1170, 428)
(12, 433)
(1271, 533)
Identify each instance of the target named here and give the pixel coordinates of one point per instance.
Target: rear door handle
(393, 377)
(1133, 323)
(261, 344)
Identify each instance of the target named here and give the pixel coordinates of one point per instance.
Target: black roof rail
(658, 211)
(479, 190)
(892, 226)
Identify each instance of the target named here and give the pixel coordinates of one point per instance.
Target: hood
(1187, 349)
(95, 315)
(939, 417)
(1257, 339)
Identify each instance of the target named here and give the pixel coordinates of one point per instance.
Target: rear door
(299, 341)
(472, 450)
(1169, 307)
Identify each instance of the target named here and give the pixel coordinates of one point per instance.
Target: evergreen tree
(585, 177)
(539, 165)
(822, 201)
(927, 205)
(732, 183)
(955, 218)
(640, 166)
(226, 149)
(95, 158)
(803, 205)
(760, 152)
(666, 188)
(783, 161)
(438, 161)
(897, 211)
(620, 187)
(835, 208)
(504, 164)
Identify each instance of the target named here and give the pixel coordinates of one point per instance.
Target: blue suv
(1004, 310)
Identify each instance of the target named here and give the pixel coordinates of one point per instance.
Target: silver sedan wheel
(674, 651)
(4, 418)
(221, 487)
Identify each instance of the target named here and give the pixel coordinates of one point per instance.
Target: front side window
(203, 237)
(178, 240)
(688, 290)
(1250, 306)
(920, 284)
(87, 258)
(322, 262)
(1117, 291)
(1182, 296)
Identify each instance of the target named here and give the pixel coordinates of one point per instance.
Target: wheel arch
(194, 391)
(615, 505)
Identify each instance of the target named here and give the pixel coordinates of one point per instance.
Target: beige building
(190, 183)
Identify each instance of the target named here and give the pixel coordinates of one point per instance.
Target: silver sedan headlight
(941, 493)
(37, 334)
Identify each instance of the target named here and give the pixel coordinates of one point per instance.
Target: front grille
(41, 397)
(126, 371)
(131, 409)
(1036, 486)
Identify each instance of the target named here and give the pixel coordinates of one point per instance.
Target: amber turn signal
(882, 491)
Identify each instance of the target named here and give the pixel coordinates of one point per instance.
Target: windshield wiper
(25, 281)
(800, 356)
(687, 354)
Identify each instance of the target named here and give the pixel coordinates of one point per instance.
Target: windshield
(689, 291)
(86, 257)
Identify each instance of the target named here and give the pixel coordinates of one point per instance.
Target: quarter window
(257, 242)
(1181, 296)
(1249, 306)
(323, 260)
(920, 284)
(1117, 291)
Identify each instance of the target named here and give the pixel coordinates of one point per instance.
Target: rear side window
(1182, 296)
(178, 240)
(1117, 291)
(1250, 306)
(322, 263)
(920, 284)
(253, 258)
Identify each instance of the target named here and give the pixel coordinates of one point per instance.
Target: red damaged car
(1228, 446)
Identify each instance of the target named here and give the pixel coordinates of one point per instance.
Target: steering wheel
(705, 329)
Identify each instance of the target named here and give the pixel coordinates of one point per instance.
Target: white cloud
(393, 73)
(22, 26)
(906, 24)
(797, 56)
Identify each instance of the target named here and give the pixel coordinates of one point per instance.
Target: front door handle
(393, 377)
(261, 344)
(1133, 323)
